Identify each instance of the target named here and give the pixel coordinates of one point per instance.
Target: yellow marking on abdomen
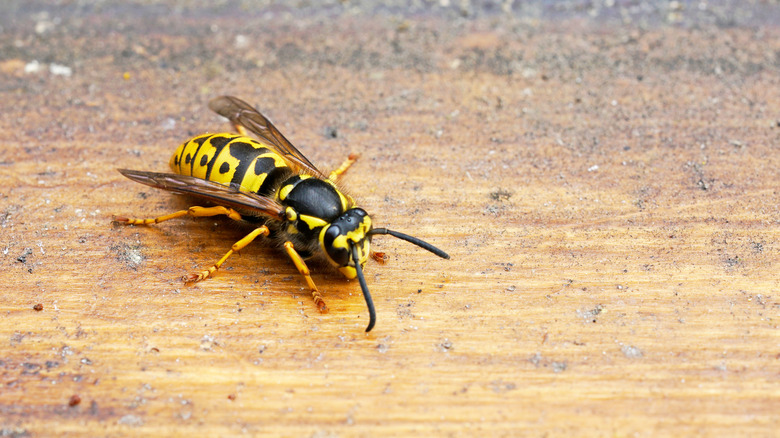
(196, 158)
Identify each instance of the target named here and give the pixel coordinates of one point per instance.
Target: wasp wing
(217, 193)
(242, 113)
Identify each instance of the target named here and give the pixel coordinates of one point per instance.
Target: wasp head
(348, 231)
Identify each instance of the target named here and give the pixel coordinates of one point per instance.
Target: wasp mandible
(270, 183)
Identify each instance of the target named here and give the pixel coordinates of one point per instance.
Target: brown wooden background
(607, 188)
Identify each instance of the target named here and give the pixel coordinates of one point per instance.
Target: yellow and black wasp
(269, 182)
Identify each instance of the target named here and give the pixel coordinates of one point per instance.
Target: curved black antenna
(410, 239)
(364, 287)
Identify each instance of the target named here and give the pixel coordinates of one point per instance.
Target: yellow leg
(240, 128)
(344, 167)
(304, 270)
(192, 211)
(238, 246)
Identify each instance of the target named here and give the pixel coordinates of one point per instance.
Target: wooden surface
(608, 193)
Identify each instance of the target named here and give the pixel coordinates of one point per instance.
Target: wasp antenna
(364, 287)
(422, 244)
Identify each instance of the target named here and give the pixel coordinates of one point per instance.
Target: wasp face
(347, 231)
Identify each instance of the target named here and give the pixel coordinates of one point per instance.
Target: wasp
(269, 183)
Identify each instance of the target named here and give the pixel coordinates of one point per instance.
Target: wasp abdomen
(231, 159)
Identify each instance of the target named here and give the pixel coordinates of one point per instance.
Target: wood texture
(608, 194)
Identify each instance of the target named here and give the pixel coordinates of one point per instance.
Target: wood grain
(608, 194)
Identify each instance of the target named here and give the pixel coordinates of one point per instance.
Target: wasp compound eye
(336, 245)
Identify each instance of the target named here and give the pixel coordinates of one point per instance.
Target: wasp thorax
(349, 229)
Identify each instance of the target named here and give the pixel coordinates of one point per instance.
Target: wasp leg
(240, 128)
(192, 211)
(304, 270)
(238, 246)
(336, 174)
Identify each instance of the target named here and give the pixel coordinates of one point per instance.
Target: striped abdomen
(231, 159)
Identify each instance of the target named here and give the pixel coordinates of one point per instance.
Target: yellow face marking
(343, 241)
(354, 236)
(349, 271)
